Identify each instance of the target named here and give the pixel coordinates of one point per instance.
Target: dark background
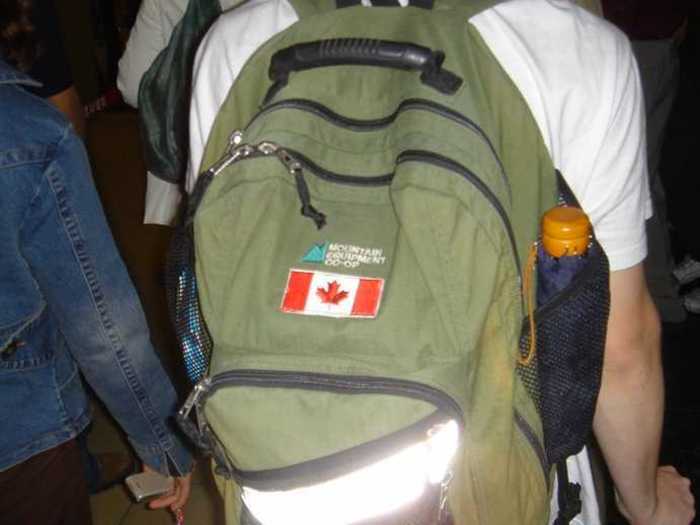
(680, 171)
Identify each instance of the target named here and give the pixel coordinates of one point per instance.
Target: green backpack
(374, 184)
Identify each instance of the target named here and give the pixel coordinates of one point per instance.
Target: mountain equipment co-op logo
(343, 255)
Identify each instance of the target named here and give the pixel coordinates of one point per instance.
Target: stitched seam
(71, 227)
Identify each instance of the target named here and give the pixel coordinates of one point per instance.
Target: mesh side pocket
(564, 378)
(183, 304)
(529, 373)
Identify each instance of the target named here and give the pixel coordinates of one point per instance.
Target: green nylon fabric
(452, 307)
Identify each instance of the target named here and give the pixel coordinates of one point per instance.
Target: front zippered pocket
(411, 467)
(442, 409)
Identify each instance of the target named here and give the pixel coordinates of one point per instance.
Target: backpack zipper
(424, 157)
(324, 382)
(294, 161)
(286, 477)
(527, 431)
(205, 388)
(455, 167)
(237, 151)
(359, 125)
(340, 178)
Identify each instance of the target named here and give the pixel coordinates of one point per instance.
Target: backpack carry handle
(363, 52)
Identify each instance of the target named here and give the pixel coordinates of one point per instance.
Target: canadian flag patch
(332, 294)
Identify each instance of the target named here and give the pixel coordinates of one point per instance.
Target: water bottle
(561, 254)
(566, 235)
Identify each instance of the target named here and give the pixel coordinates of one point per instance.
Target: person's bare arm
(68, 102)
(630, 408)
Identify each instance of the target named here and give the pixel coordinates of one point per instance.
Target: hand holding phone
(174, 497)
(148, 485)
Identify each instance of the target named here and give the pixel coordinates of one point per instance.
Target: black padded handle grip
(364, 52)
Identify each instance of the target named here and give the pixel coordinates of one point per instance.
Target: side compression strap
(568, 497)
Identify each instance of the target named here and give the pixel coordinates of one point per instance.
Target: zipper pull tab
(444, 488)
(200, 388)
(235, 151)
(235, 139)
(307, 209)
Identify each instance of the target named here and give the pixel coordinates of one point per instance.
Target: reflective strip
(377, 490)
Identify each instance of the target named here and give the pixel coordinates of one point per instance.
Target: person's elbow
(635, 348)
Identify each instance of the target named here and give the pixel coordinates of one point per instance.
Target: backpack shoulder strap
(469, 7)
(305, 8)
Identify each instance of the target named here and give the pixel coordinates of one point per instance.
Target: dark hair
(17, 44)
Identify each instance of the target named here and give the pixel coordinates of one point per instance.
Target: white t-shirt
(580, 79)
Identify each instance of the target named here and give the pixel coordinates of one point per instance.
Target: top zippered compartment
(366, 125)
(301, 162)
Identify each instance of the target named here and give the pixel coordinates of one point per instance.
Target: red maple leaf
(332, 294)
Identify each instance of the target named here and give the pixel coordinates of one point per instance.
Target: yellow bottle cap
(565, 231)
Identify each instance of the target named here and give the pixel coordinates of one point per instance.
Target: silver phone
(148, 485)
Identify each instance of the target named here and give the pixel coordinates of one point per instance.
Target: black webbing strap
(566, 195)
(423, 4)
(568, 497)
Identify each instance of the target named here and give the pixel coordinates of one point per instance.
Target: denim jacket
(66, 300)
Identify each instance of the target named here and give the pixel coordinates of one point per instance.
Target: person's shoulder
(554, 28)
(29, 122)
(263, 12)
(166, 9)
(171, 12)
(246, 26)
(546, 10)
(32, 133)
(560, 46)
